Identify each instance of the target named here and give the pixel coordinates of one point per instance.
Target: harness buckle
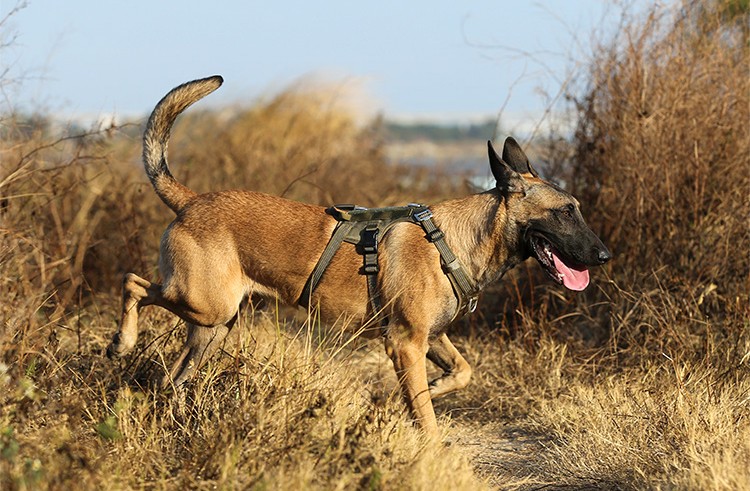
(369, 247)
(472, 304)
(436, 235)
(423, 215)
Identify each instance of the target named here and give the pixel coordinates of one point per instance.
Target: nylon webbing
(451, 262)
(370, 268)
(466, 290)
(325, 259)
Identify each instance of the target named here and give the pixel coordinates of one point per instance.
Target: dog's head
(548, 218)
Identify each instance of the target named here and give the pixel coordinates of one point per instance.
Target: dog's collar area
(364, 227)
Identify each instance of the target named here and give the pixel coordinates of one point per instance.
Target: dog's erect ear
(507, 178)
(514, 156)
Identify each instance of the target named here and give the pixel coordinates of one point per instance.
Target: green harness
(364, 227)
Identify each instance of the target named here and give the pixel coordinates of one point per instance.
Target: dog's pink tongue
(573, 278)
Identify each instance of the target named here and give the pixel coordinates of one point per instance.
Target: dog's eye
(568, 210)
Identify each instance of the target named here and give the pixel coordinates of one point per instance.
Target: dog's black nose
(604, 255)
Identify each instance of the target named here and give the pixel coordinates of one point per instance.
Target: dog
(226, 246)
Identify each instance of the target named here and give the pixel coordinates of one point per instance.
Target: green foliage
(8, 445)
(107, 429)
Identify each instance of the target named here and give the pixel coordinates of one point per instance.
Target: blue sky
(409, 59)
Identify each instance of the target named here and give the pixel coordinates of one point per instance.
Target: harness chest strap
(364, 227)
(463, 285)
(339, 233)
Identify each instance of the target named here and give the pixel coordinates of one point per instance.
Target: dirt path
(507, 457)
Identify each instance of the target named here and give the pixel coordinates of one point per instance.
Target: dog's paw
(116, 349)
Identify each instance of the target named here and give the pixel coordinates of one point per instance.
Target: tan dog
(225, 246)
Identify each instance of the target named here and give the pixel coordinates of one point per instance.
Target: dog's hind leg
(136, 292)
(456, 370)
(200, 345)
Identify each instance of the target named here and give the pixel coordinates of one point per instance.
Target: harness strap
(370, 268)
(342, 229)
(462, 284)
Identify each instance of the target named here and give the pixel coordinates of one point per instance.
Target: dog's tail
(156, 138)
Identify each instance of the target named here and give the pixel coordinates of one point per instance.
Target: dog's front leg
(408, 357)
(456, 370)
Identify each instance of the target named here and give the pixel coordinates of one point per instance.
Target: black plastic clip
(369, 246)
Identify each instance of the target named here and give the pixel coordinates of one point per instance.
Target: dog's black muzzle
(579, 244)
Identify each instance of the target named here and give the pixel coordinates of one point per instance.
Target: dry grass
(283, 413)
(642, 382)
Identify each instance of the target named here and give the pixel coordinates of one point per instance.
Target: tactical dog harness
(364, 227)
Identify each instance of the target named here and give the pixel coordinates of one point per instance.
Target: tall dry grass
(641, 382)
(662, 153)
